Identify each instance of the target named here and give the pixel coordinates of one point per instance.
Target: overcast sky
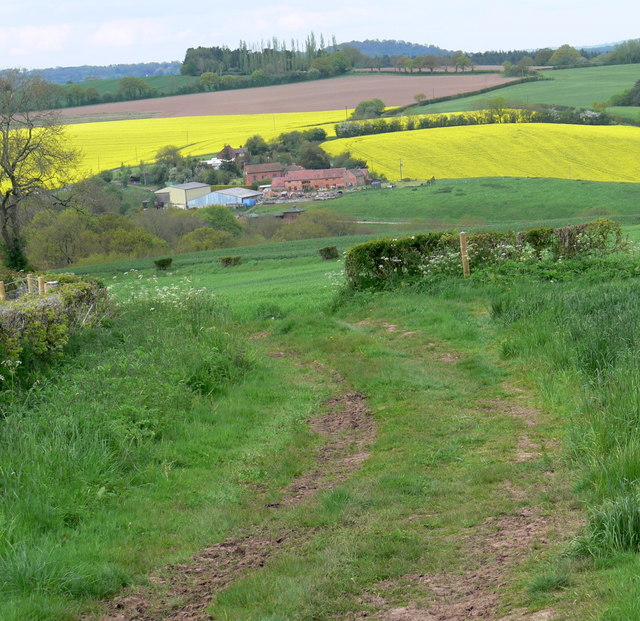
(40, 33)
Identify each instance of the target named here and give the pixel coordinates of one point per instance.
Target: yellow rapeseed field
(109, 144)
(597, 153)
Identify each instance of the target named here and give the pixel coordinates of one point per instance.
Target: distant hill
(601, 48)
(62, 75)
(390, 47)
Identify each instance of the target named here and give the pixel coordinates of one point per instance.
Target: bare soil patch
(493, 549)
(497, 545)
(333, 94)
(350, 431)
(183, 592)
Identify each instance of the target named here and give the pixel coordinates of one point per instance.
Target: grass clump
(103, 428)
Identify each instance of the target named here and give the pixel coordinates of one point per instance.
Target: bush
(328, 253)
(230, 261)
(385, 262)
(35, 329)
(163, 264)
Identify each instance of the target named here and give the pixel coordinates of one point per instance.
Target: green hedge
(35, 329)
(385, 262)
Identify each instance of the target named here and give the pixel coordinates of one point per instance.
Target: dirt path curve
(493, 549)
(184, 591)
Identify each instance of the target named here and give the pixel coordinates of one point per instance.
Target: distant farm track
(333, 94)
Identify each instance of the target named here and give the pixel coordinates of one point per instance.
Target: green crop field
(578, 88)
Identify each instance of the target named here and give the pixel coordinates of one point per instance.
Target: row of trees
(494, 111)
(220, 68)
(59, 238)
(272, 58)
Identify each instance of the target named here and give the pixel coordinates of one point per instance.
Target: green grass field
(503, 467)
(495, 202)
(578, 88)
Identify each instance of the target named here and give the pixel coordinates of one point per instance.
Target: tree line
(264, 64)
(495, 111)
(273, 58)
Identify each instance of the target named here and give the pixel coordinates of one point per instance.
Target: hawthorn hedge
(383, 263)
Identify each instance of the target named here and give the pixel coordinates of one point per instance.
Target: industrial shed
(180, 195)
(234, 197)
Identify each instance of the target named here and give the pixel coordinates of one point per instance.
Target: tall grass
(585, 339)
(96, 428)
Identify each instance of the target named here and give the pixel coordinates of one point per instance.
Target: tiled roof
(261, 168)
(309, 175)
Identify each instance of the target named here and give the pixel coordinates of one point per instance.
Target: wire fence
(14, 290)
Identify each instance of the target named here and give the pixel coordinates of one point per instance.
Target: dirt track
(334, 94)
(184, 591)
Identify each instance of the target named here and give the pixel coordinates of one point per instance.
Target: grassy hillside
(598, 153)
(210, 465)
(511, 203)
(578, 88)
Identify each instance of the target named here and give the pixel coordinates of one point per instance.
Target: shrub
(328, 253)
(163, 264)
(600, 236)
(35, 329)
(230, 261)
(540, 239)
(383, 263)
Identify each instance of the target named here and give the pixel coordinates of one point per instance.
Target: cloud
(29, 39)
(129, 32)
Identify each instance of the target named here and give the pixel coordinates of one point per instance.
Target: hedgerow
(36, 328)
(384, 263)
(350, 129)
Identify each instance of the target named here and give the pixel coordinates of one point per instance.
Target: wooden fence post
(3, 292)
(464, 254)
(41, 285)
(30, 283)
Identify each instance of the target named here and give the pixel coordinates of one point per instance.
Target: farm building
(323, 179)
(234, 197)
(258, 172)
(180, 195)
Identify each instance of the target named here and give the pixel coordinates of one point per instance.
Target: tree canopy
(35, 156)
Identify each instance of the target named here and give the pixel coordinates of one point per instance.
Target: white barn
(230, 196)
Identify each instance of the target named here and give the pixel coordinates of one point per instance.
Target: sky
(37, 34)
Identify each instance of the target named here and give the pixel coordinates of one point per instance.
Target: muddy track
(183, 592)
(493, 549)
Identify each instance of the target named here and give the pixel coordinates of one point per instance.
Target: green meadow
(578, 88)
(504, 203)
(504, 411)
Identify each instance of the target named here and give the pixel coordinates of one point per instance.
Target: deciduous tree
(35, 156)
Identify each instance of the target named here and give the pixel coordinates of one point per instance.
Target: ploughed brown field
(333, 94)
